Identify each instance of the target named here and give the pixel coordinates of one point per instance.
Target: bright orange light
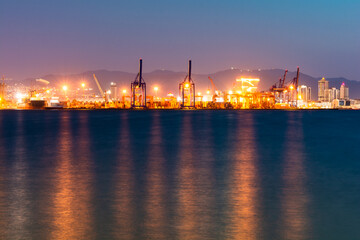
(83, 85)
(248, 80)
(238, 92)
(124, 91)
(19, 95)
(230, 92)
(156, 89)
(291, 87)
(299, 97)
(47, 91)
(199, 93)
(65, 88)
(207, 92)
(187, 85)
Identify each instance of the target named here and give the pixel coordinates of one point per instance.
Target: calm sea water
(180, 175)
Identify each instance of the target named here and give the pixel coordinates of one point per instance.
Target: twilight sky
(70, 36)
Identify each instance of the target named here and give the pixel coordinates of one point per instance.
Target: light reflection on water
(71, 198)
(187, 219)
(19, 205)
(155, 196)
(124, 181)
(199, 175)
(294, 194)
(243, 186)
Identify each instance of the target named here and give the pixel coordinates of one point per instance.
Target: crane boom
(297, 77)
(212, 83)
(98, 85)
(282, 83)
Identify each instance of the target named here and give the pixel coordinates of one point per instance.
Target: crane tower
(138, 90)
(187, 91)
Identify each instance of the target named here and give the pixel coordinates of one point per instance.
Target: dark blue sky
(70, 36)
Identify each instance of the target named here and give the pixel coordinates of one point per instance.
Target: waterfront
(179, 174)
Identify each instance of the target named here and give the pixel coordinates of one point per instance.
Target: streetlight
(65, 88)
(156, 89)
(124, 95)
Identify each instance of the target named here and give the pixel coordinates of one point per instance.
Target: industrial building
(244, 94)
(113, 92)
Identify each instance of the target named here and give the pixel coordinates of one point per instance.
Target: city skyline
(68, 37)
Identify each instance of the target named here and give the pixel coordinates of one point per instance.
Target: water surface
(180, 175)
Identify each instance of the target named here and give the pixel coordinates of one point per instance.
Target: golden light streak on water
(205, 180)
(294, 196)
(124, 201)
(155, 200)
(243, 184)
(71, 210)
(187, 220)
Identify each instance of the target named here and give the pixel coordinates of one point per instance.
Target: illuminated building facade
(323, 85)
(344, 92)
(113, 92)
(305, 93)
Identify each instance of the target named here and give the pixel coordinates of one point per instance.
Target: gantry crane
(187, 91)
(138, 90)
(213, 85)
(102, 94)
(295, 81)
(287, 92)
(294, 84)
(280, 87)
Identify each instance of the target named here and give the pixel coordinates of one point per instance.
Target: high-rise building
(305, 93)
(329, 95)
(309, 94)
(344, 92)
(114, 91)
(323, 85)
(336, 93)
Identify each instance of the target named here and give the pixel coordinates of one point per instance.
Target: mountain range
(168, 81)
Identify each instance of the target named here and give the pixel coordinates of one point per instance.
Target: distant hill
(168, 81)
